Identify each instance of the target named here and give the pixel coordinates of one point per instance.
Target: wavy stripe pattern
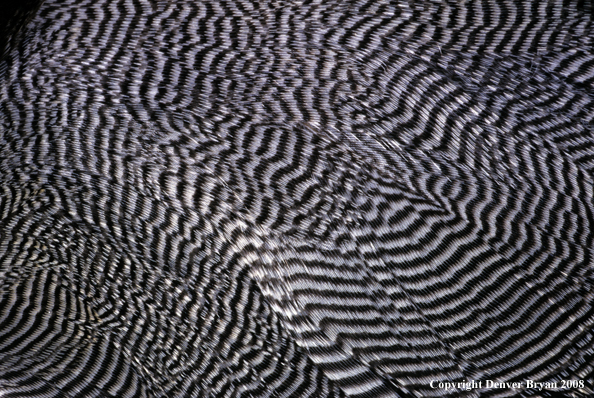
(308, 198)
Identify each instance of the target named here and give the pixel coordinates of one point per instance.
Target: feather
(261, 198)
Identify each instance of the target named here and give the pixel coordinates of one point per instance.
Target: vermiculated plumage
(325, 198)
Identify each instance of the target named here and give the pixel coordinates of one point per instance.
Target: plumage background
(305, 198)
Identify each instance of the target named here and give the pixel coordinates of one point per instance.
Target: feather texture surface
(301, 198)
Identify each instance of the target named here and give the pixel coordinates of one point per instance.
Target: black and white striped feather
(301, 198)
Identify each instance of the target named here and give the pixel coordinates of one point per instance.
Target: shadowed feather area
(300, 198)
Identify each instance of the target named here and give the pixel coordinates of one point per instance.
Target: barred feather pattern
(306, 198)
